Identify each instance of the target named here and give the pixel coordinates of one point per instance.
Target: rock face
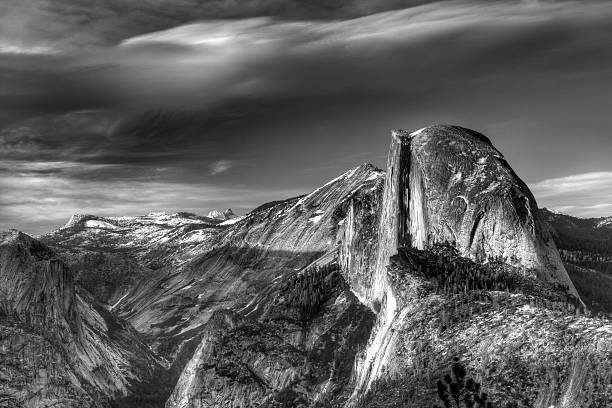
(408, 210)
(293, 346)
(60, 346)
(449, 184)
(446, 184)
(357, 294)
(463, 191)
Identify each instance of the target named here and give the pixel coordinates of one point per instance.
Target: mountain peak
(221, 215)
(445, 132)
(75, 219)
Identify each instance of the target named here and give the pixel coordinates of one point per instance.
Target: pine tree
(455, 391)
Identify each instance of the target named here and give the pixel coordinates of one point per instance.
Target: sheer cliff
(447, 185)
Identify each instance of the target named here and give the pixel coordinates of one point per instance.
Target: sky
(124, 107)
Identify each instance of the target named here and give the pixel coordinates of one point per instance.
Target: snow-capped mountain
(359, 294)
(222, 215)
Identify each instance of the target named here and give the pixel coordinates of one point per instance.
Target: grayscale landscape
(266, 203)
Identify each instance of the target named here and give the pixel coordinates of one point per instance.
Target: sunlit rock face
(60, 346)
(447, 184)
(526, 347)
(444, 184)
(463, 191)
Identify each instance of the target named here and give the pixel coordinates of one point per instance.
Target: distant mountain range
(436, 279)
(222, 215)
(593, 235)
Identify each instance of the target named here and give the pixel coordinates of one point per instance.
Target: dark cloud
(269, 105)
(411, 51)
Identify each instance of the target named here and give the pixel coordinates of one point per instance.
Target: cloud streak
(584, 195)
(69, 24)
(220, 166)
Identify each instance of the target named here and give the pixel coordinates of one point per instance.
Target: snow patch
(99, 224)
(119, 301)
(418, 132)
(302, 200)
(374, 176)
(232, 221)
(316, 218)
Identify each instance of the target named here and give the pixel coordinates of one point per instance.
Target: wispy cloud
(585, 195)
(79, 23)
(220, 166)
(206, 63)
(575, 183)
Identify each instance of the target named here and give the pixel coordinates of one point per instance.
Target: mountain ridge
(358, 294)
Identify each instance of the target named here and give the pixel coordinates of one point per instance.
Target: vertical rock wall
(394, 230)
(443, 184)
(447, 184)
(463, 191)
